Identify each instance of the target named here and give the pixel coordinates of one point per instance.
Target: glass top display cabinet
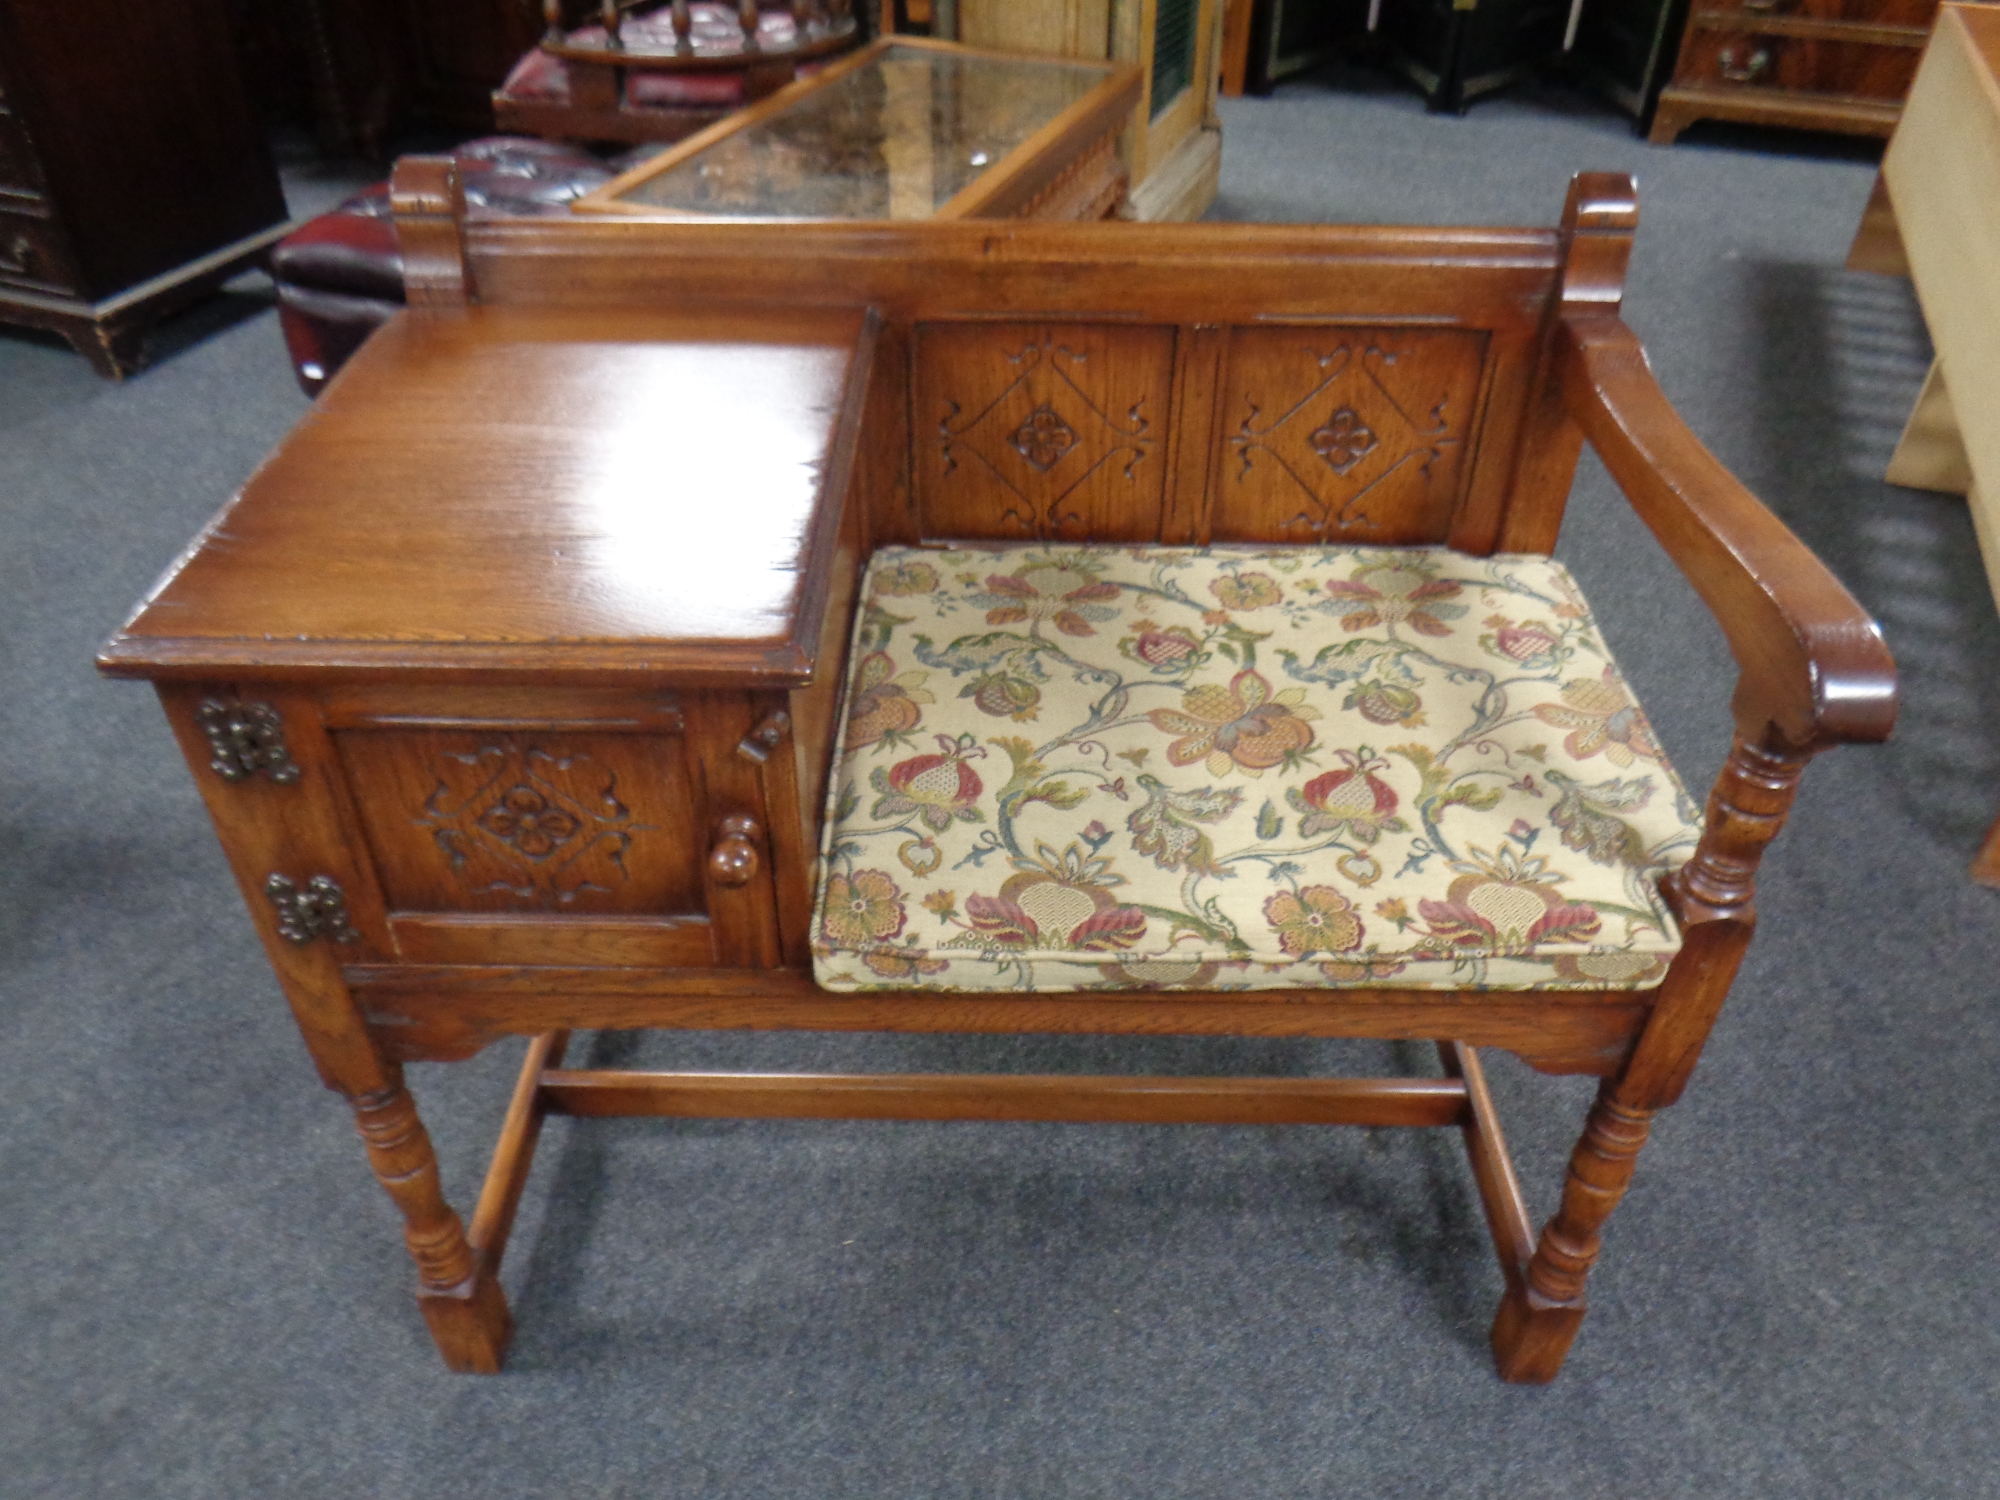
(906, 128)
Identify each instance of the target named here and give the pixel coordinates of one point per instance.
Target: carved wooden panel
(1352, 435)
(1041, 431)
(584, 824)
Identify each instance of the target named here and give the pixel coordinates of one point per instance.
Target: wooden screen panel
(530, 822)
(1356, 435)
(1041, 431)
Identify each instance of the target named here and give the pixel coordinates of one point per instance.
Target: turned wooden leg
(461, 1300)
(1539, 1317)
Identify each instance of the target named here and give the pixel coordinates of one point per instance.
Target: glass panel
(894, 139)
(1173, 51)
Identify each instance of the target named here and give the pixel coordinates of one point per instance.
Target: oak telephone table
(510, 724)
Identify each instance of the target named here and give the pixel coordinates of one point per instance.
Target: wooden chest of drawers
(1841, 65)
(133, 172)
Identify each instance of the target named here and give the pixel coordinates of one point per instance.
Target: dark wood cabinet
(1625, 49)
(1455, 52)
(1841, 65)
(134, 174)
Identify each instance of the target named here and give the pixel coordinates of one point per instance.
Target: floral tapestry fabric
(1069, 768)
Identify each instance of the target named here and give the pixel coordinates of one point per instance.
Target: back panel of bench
(1131, 383)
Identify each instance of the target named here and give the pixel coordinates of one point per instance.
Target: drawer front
(1918, 13)
(1762, 60)
(35, 254)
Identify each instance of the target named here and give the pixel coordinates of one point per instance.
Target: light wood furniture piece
(510, 727)
(1941, 177)
(906, 128)
(1840, 65)
(134, 176)
(1173, 146)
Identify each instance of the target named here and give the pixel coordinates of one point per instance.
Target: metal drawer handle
(1760, 61)
(1765, 7)
(734, 859)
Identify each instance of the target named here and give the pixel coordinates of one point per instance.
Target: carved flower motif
(1246, 590)
(1344, 440)
(1058, 901)
(886, 705)
(524, 819)
(906, 576)
(937, 788)
(1316, 919)
(1243, 726)
(1353, 798)
(1600, 715)
(1043, 438)
(1060, 591)
(862, 909)
(1401, 591)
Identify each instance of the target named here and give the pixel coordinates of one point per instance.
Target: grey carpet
(202, 1292)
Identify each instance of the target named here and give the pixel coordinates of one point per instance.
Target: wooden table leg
(460, 1297)
(1931, 453)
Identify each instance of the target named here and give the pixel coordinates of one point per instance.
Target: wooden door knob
(734, 859)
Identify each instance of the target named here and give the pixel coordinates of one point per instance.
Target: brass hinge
(320, 910)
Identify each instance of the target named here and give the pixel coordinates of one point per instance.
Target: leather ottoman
(340, 276)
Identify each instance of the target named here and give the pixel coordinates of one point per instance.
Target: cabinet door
(561, 827)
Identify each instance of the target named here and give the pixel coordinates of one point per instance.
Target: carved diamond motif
(1044, 438)
(1344, 440)
(546, 829)
(1365, 453)
(523, 818)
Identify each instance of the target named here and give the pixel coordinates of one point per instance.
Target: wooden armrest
(1814, 666)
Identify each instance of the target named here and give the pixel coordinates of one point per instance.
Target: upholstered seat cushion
(1069, 768)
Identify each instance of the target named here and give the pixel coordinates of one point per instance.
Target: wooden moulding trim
(1027, 269)
(1077, 1099)
(1841, 112)
(415, 1011)
(1813, 662)
(679, 663)
(1868, 33)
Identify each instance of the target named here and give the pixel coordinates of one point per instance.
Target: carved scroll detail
(319, 910)
(245, 738)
